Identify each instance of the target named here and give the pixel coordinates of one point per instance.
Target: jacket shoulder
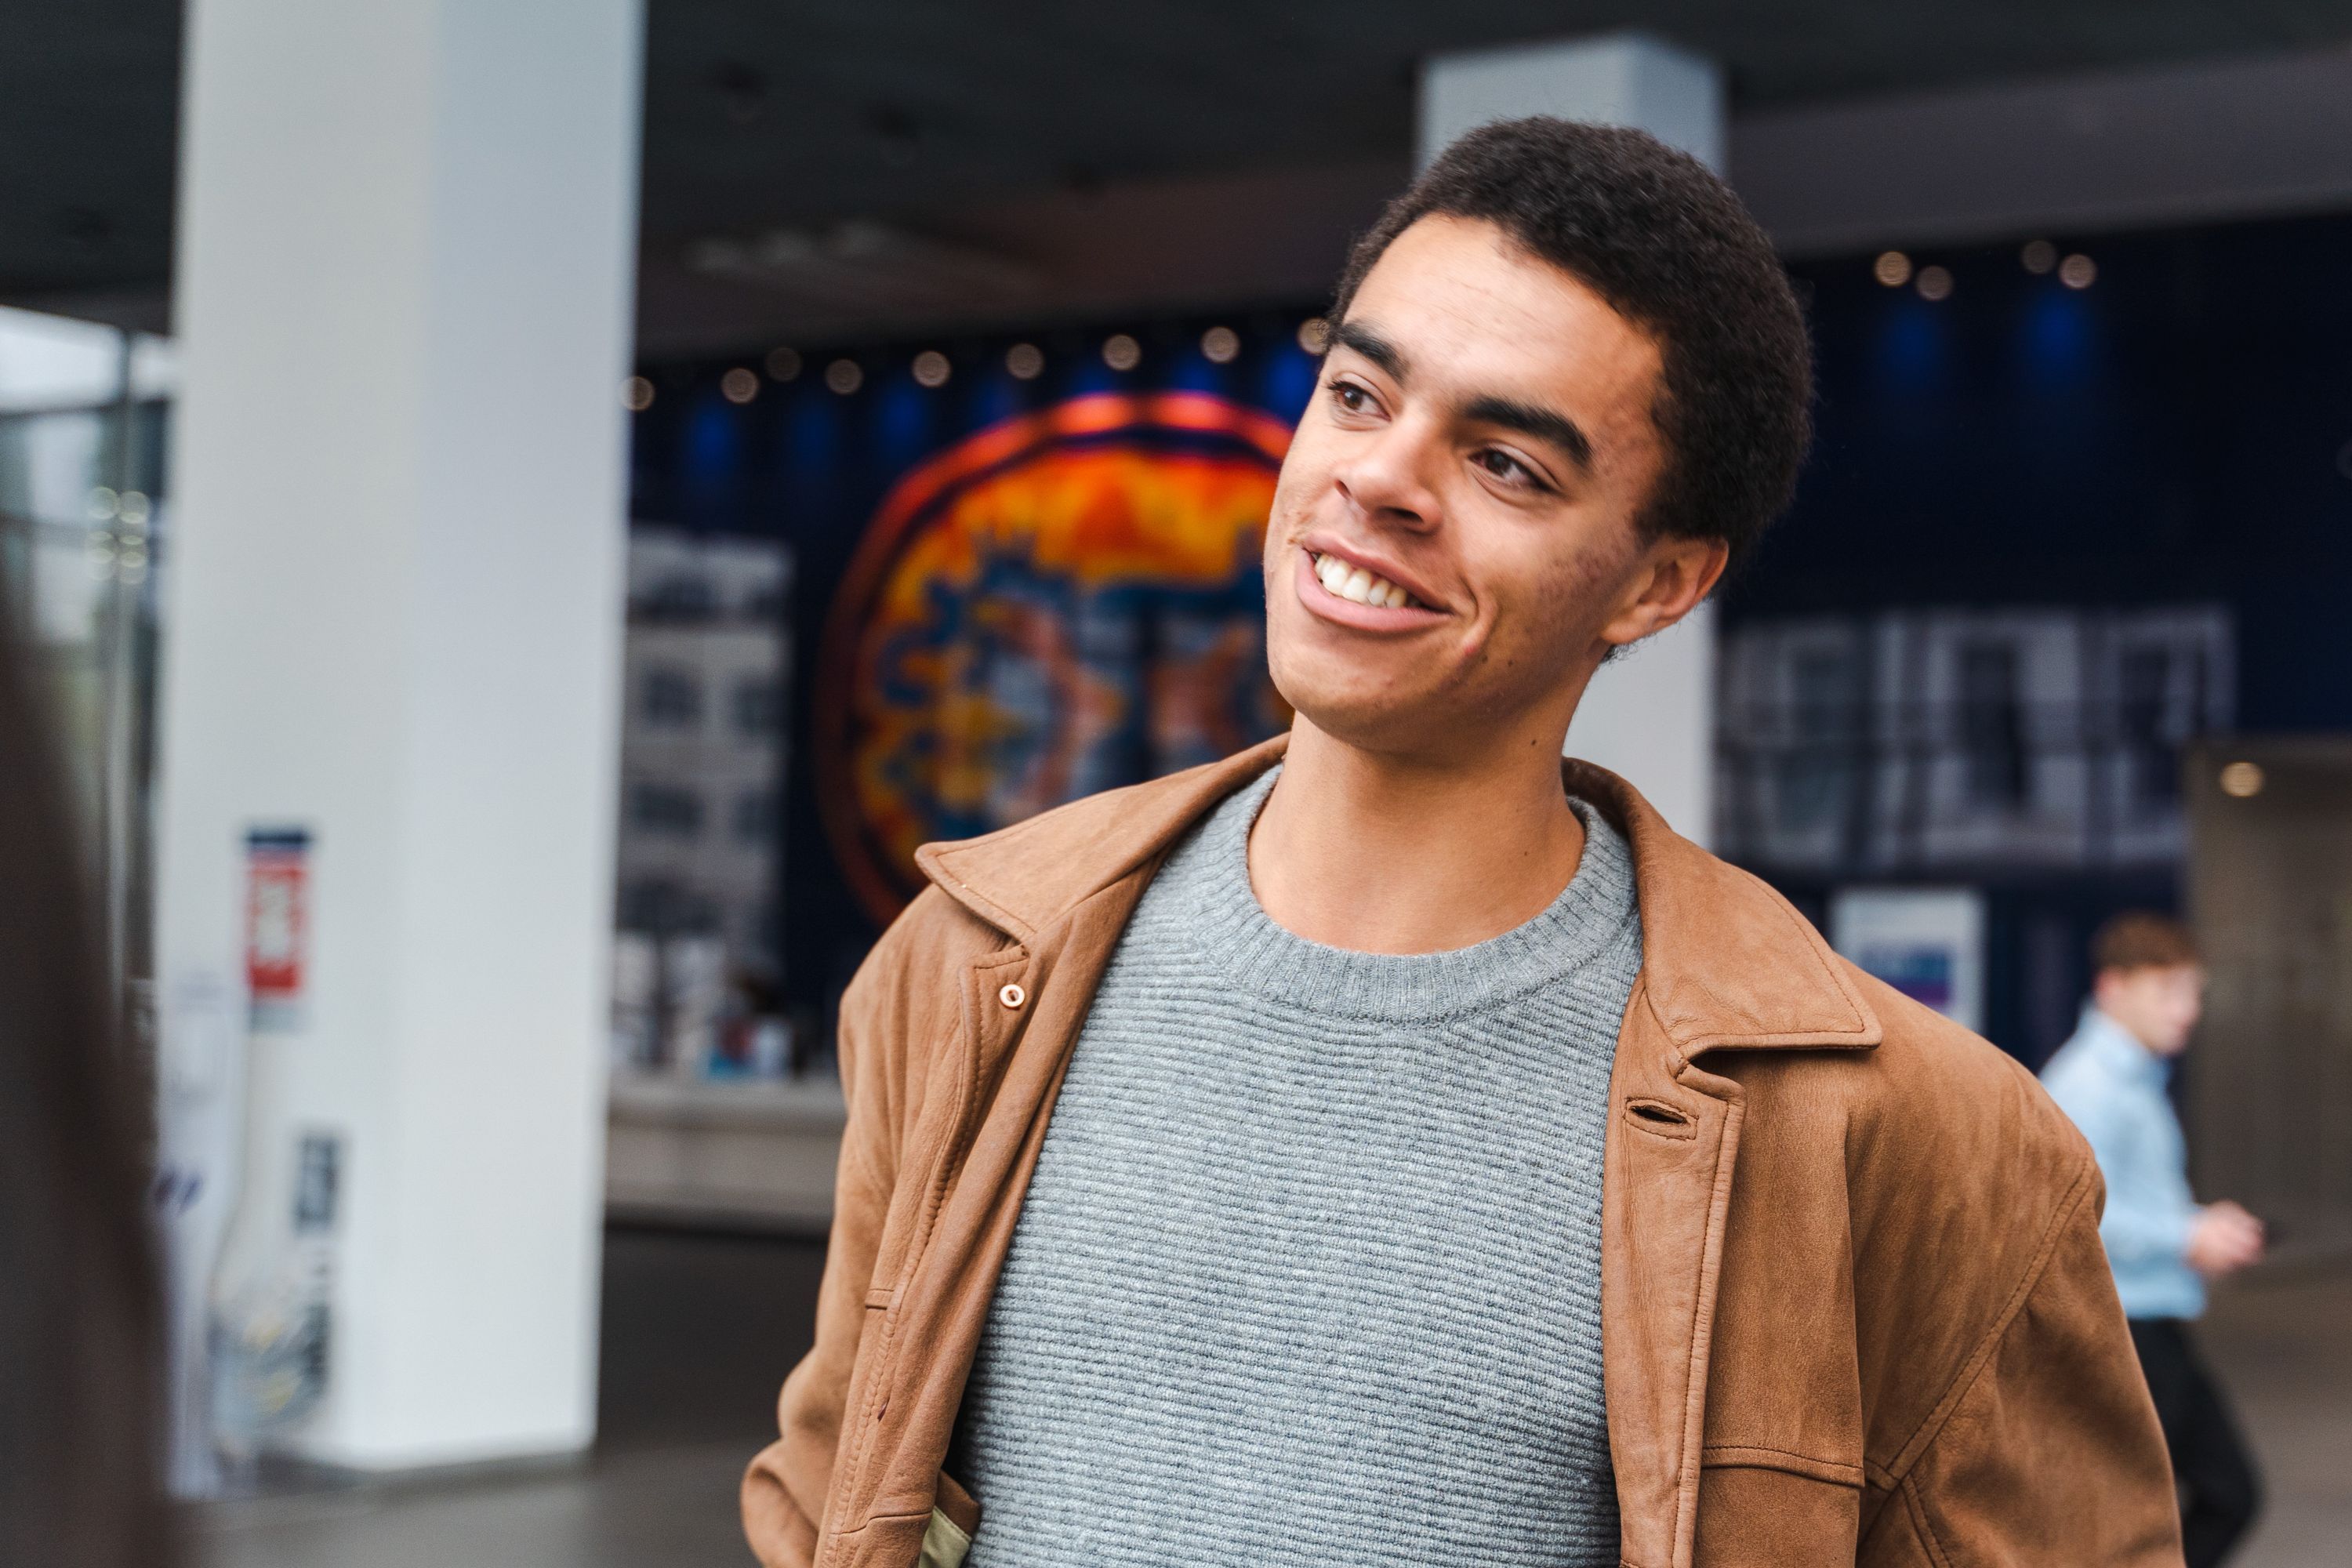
(1019, 878)
(1932, 1077)
(1936, 1135)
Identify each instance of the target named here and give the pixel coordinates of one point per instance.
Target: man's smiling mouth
(1359, 586)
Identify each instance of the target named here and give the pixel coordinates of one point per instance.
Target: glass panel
(50, 469)
(81, 470)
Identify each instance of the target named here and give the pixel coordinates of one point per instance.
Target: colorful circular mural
(1057, 605)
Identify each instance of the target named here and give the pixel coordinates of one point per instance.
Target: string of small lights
(932, 368)
(1893, 268)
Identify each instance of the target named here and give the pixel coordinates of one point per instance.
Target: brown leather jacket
(1853, 1304)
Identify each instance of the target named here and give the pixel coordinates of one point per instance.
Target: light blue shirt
(2112, 1087)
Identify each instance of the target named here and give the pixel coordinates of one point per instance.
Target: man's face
(1453, 548)
(2159, 1006)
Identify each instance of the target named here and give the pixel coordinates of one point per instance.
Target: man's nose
(1391, 481)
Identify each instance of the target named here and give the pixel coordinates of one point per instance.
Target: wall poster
(1056, 605)
(1926, 942)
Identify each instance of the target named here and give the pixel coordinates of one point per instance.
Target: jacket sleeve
(784, 1490)
(2047, 1449)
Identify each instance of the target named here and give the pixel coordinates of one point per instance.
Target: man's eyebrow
(1557, 429)
(1371, 345)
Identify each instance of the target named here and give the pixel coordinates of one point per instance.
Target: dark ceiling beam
(2141, 149)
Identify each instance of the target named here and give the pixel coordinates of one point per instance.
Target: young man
(1388, 1146)
(2147, 997)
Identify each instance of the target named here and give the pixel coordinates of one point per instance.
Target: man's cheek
(1546, 615)
(1286, 516)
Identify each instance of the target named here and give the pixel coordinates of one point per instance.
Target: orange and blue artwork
(1057, 605)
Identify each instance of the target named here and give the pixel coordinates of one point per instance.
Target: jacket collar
(1726, 960)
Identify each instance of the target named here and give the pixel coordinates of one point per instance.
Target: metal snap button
(1011, 995)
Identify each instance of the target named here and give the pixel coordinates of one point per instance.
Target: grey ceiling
(759, 113)
(843, 107)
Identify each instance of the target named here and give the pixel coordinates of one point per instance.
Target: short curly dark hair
(1655, 233)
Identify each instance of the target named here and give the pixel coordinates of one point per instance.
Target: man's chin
(1384, 720)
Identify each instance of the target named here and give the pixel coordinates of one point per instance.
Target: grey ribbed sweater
(1310, 1270)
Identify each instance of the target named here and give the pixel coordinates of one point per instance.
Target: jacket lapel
(1726, 964)
(1666, 1183)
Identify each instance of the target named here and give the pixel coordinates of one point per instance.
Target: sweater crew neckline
(1233, 931)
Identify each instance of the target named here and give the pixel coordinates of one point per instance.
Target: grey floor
(698, 1331)
(2281, 1343)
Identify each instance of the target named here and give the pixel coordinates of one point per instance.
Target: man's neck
(2126, 1031)
(1383, 854)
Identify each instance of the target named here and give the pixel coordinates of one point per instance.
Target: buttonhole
(1657, 1116)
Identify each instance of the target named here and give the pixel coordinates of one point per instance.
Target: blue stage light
(1914, 343)
(2058, 332)
(713, 439)
(1286, 379)
(904, 419)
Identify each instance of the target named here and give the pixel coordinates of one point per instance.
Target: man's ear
(1676, 576)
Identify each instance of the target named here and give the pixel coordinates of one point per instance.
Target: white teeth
(1355, 583)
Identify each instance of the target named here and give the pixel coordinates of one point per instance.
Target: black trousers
(2219, 1491)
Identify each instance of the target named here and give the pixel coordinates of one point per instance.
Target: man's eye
(1505, 467)
(1350, 396)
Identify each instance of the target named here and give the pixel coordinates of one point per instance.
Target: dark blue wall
(2180, 431)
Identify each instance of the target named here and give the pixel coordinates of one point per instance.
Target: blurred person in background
(2110, 1078)
(81, 1345)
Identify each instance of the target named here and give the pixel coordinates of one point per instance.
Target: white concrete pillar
(405, 258)
(1650, 715)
